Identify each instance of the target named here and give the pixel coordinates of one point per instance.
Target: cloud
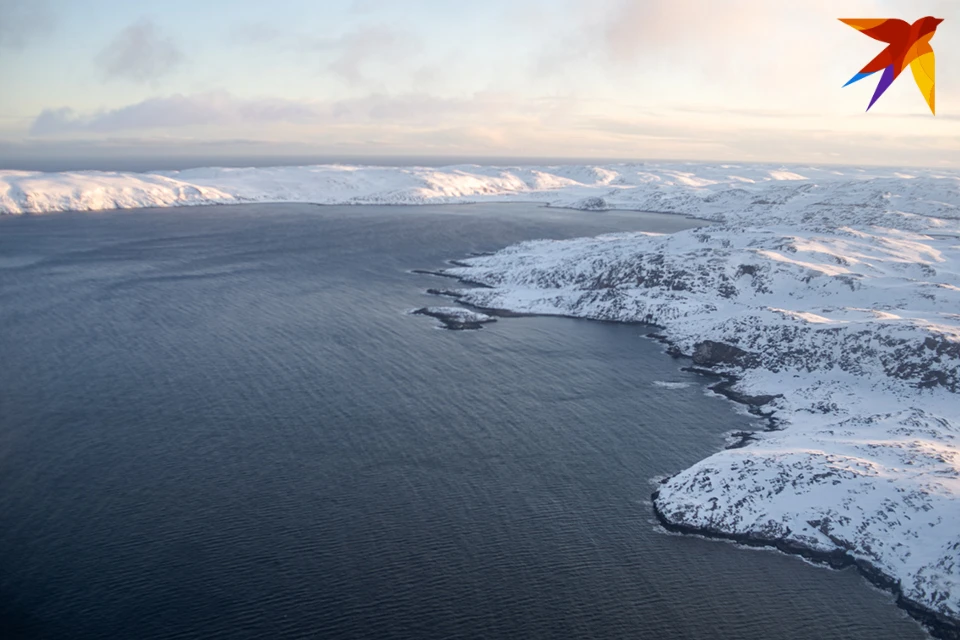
(377, 43)
(139, 53)
(177, 111)
(348, 54)
(490, 123)
(361, 129)
(721, 41)
(368, 6)
(713, 31)
(21, 20)
(222, 109)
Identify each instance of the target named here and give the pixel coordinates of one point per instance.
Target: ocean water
(222, 423)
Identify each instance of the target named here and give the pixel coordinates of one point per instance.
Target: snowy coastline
(852, 332)
(707, 190)
(831, 293)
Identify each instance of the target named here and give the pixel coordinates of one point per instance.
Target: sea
(223, 422)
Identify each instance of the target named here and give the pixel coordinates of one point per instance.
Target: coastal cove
(237, 427)
(724, 383)
(856, 368)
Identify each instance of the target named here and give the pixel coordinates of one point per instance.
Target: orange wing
(889, 31)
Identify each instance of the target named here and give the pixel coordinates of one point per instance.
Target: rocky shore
(937, 624)
(456, 318)
(839, 325)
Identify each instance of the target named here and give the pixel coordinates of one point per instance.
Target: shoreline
(937, 625)
(505, 201)
(934, 623)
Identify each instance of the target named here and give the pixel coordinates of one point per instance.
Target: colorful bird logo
(908, 44)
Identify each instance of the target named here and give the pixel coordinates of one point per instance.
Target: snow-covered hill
(695, 189)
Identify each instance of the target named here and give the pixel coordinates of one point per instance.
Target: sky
(711, 80)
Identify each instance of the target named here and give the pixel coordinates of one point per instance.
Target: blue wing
(858, 77)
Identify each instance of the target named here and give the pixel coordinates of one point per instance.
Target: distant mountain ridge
(705, 190)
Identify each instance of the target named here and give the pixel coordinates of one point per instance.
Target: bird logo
(907, 44)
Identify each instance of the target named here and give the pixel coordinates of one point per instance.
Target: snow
(460, 314)
(833, 290)
(696, 189)
(841, 300)
(456, 317)
(865, 357)
(671, 385)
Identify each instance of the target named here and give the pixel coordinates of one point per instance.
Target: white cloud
(373, 43)
(347, 55)
(732, 37)
(21, 20)
(139, 53)
(506, 124)
(634, 78)
(222, 109)
(173, 112)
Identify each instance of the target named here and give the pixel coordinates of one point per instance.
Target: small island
(456, 318)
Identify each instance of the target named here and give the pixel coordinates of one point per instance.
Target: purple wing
(885, 81)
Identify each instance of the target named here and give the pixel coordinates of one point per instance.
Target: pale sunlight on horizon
(732, 80)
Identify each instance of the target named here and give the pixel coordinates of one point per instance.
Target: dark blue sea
(221, 422)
